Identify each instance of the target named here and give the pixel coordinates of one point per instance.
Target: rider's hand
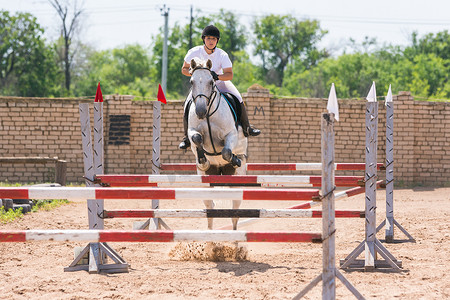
(214, 75)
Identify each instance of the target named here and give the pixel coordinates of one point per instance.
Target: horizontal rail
(274, 166)
(158, 236)
(222, 180)
(337, 196)
(25, 160)
(226, 213)
(310, 204)
(76, 193)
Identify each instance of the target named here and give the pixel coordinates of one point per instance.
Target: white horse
(219, 145)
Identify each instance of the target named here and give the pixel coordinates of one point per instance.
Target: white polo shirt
(219, 58)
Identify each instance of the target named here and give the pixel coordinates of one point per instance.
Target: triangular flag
(161, 96)
(98, 94)
(332, 105)
(388, 96)
(372, 95)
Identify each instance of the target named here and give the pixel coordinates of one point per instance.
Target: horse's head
(202, 86)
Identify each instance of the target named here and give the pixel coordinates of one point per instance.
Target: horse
(217, 141)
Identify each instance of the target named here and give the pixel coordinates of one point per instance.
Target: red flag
(161, 96)
(98, 94)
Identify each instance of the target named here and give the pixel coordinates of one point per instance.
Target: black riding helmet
(211, 30)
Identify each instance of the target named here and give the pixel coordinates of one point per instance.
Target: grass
(11, 215)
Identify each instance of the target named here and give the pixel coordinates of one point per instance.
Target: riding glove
(214, 75)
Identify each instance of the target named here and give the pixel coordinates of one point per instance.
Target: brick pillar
(404, 138)
(257, 100)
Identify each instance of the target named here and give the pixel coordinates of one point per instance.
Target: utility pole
(190, 29)
(165, 14)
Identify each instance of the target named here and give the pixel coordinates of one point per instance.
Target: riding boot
(185, 143)
(248, 130)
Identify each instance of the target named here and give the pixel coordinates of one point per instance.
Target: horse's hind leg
(236, 205)
(230, 170)
(209, 204)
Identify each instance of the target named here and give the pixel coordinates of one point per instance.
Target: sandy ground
(272, 271)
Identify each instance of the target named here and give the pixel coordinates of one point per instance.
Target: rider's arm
(227, 74)
(185, 69)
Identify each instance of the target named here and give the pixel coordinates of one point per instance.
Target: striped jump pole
(226, 213)
(311, 204)
(100, 236)
(338, 196)
(222, 180)
(76, 193)
(274, 166)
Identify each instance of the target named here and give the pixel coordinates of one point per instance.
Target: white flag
(388, 96)
(332, 105)
(372, 95)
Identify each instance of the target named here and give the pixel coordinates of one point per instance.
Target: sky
(112, 23)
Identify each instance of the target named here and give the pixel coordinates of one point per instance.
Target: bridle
(208, 114)
(211, 96)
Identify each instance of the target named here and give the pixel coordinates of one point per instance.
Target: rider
(222, 73)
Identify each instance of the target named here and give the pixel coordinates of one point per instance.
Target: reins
(208, 114)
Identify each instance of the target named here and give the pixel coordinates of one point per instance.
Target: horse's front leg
(209, 204)
(236, 204)
(230, 143)
(197, 140)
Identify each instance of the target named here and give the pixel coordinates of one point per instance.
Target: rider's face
(210, 41)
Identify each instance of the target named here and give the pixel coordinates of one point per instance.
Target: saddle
(235, 106)
(233, 103)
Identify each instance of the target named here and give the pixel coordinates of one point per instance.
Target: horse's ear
(193, 65)
(209, 64)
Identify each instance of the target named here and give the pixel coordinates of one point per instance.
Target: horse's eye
(211, 82)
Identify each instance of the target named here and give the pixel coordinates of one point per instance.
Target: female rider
(222, 73)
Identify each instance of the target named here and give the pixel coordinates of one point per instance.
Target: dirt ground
(272, 271)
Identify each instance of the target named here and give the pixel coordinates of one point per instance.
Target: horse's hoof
(227, 154)
(235, 161)
(204, 166)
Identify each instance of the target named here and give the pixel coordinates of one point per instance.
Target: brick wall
(290, 126)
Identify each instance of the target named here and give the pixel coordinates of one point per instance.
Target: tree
(280, 39)
(26, 64)
(121, 70)
(69, 27)
(233, 40)
(233, 37)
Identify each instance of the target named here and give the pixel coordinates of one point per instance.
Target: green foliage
(281, 39)
(121, 70)
(287, 61)
(10, 215)
(48, 204)
(27, 66)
